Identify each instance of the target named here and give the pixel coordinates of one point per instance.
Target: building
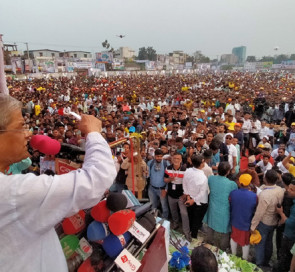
(43, 54)
(177, 57)
(230, 59)
(82, 55)
(240, 53)
(124, 53)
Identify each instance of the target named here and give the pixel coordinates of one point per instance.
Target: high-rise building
(240, 52)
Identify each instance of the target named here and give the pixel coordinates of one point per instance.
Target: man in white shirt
(264, 131)
(246, 127)
(195, 189)
(30, 206)
(255, 130)
(232, 152)
(264, 164)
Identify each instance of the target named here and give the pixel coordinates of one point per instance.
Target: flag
(3, 86)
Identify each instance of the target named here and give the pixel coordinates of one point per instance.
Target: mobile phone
(293, 154)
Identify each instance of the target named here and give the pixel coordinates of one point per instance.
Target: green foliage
(148, 53)
(251, 59)
(106, 44)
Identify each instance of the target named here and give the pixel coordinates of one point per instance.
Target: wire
(57, 45)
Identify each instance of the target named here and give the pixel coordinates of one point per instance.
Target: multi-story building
(82, 55)
(124, 53)
(43, 54)
(240, 53)
(177, 57)
(228, 59)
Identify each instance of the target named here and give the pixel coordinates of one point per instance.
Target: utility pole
(27, 50)
(28, 56)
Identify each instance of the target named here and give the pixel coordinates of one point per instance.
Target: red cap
(100, 212)
(121, 221)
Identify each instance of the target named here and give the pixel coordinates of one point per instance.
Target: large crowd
(216, 148)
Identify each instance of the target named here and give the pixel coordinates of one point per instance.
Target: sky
(213, 27)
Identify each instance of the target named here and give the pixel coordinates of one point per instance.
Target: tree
(266, 58)
(106, 44)
(142, 54)
(292, 57)
(251, 59)
(280, 58)
(200, 58)
(151, 53)
(190, 59)
(148, 53)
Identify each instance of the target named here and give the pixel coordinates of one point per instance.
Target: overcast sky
(212, 26)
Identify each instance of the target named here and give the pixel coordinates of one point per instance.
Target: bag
(148, 180)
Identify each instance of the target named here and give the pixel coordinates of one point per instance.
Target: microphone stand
(136, 253)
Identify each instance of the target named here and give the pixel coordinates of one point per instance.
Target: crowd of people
(216, 148)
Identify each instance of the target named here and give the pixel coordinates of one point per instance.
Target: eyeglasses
(175, 127)
(229, 138)
(15, 130)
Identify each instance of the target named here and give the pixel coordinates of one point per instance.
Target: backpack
(165, 163)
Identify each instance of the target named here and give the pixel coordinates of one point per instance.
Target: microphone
(75, 223)
(113, 245)
(97, 231)
(100, 212)
(45, 144)
(121, 221)
(69, 244)
(148, 221)
(116, 202)
(77, 116)
(140, 210)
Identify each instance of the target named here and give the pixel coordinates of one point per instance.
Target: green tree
(280, 58)
(142, 54)
(267, 58)
(151, 53)
(292, 57)
(106, 44)
(200, 58)
(251, 59)
(226, 67)
(190, 59)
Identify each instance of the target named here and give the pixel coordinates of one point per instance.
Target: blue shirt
(242, 207)
(181, 151)
(157, 175)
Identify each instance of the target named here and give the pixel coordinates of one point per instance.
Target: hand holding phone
(293, 154)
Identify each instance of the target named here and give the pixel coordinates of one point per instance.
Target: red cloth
(241, 237)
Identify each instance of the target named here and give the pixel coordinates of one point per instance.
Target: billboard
(105, 57)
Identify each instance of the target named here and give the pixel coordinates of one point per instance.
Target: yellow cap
(255, 237)
(245, 179)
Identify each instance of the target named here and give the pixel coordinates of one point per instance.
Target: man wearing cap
(238, 133)
(291, 138)
(242, 206)
(32, 205)
(265, 219)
